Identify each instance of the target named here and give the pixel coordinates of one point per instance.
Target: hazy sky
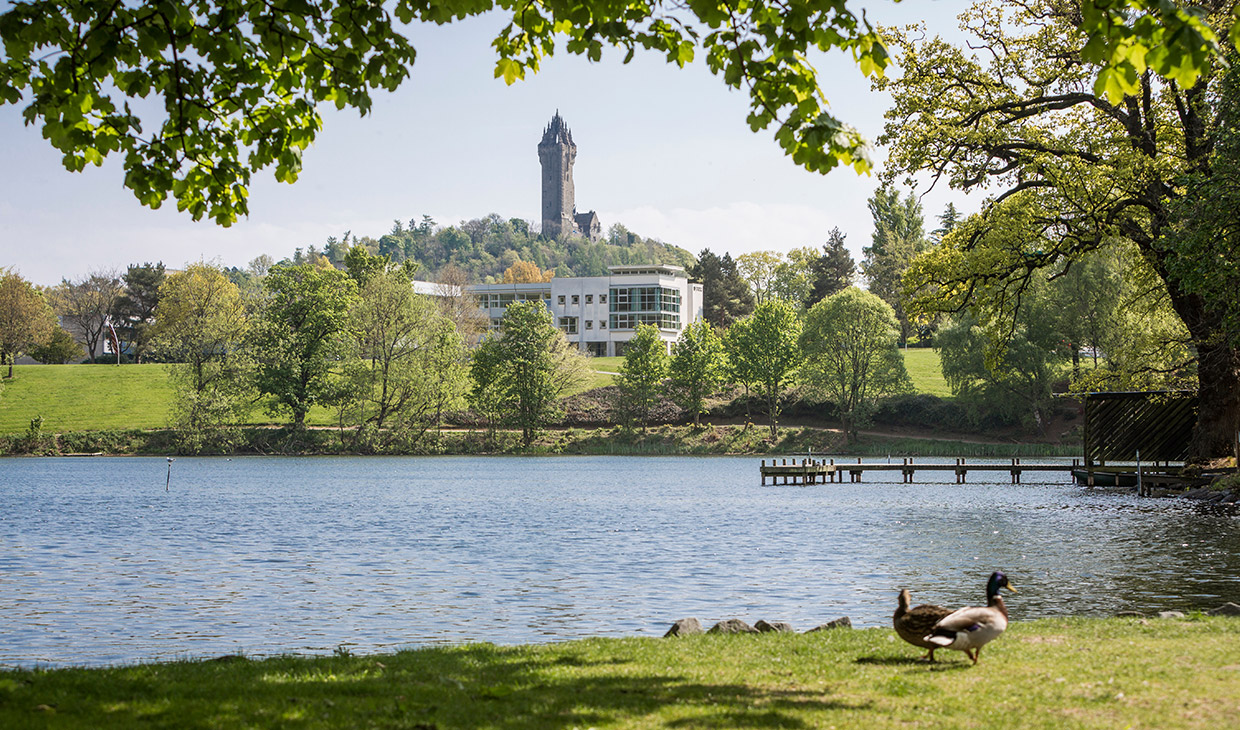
(665, 151)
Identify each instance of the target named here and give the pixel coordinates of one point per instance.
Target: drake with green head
(972, 627)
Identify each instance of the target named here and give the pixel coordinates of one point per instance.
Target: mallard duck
(913, 624)
(970, 628)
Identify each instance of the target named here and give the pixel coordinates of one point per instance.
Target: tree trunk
(1218, 403)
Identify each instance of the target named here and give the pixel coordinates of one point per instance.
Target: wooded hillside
(485, 247)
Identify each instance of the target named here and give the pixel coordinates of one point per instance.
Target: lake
(100, 565)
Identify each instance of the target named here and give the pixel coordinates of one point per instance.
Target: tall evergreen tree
(834, 271)
(947, 222)
(134, 311)
(725, 293)
(897, 239)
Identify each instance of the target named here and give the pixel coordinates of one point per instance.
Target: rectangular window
(632, 320)
(589, 324)
(602, 324)
(589, 299)
(561, 300)
(602, 298)
(576, 299)
(568, 325)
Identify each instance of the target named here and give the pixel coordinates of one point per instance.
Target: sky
(664, 151)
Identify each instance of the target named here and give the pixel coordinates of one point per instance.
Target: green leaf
(509, 70)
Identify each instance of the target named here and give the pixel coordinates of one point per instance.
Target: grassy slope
(1052, 674)
(92, 397)
(923, 367)
(76, 397)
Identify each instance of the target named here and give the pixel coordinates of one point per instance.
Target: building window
(561, 300)
(568, 325)
(656, 305)
(602, 324)
(631, 321)
(589, 324)
(589, 299)
(576, 299)
(602, 298)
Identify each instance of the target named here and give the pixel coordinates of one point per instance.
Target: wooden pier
(816, 471)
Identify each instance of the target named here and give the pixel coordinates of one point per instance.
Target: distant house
(600, 313)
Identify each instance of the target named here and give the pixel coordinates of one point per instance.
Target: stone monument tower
(557, 153)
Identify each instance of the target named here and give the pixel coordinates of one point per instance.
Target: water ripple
(99, 565)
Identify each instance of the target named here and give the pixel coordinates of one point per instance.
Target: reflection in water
(99, 565)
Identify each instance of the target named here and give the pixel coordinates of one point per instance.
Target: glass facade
(634, 305)
(497, 300)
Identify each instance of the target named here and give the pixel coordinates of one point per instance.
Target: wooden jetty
(816, 471)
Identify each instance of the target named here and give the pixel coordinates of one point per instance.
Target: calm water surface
(99, 565)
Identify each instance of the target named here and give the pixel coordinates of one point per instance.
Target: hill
(485, 247)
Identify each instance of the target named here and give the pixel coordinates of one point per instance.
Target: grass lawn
(79, 397)
(100, 397)
(1048, 674)
(923, 367)
(603, 368)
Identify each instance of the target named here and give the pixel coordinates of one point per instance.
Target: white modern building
(600, 313)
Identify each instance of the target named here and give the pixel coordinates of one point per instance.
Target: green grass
(80, 397)
(602, 369)
(101, 397)
(1041, 675)
(924, 368)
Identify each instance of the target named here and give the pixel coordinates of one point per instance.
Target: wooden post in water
(1140, 486)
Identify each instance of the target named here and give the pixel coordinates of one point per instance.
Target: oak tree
(299, 335)
(1074, 169)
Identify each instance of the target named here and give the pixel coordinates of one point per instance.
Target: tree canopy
(1075, 171)
(851, 344)
(764, 352)
(26, 319)
(197, 95)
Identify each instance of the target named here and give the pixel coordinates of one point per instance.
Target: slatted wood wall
(1158, 423)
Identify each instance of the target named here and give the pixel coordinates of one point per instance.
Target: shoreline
(663, 440)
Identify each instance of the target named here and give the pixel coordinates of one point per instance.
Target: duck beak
(1011, 588)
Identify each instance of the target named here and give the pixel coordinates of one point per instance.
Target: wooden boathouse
(1148, 428)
